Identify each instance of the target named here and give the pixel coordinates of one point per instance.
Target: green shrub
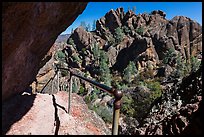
(122, 86)
(76, 58)
(64, 73)
(195, 63)
(105, 113)
(81, 90)
(140, 30)
(155, 89)
(169, 55)
(129, 72)
(118, 35)
(60, 55)
(126, 30)
(74, 87)
(87, 99)
(111, 41)
(105, 75)
(128, 105)
(133, 107)
(96, 53)
(71, 41)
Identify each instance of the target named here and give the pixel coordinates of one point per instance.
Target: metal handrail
(116, 93)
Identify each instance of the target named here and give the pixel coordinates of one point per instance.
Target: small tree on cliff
(169, 56)
(96, 53)
(94, 25)
(105, 75)
(88, 27)
(195, 63)
(119, 35)
(83, 24)
(134, 9)
(129, 72)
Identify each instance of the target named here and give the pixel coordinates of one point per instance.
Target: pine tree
(94, 25)
(105, 75)
(134, 9)
(88, 27)
(96, 52)
(72, 30)
(70, 41)
(129, 72)
(119, 35)
(169, 56)
(195, 63)
(83, 24)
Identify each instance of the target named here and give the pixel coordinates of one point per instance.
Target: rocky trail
(46, 114)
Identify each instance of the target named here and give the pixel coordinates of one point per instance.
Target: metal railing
(116, 93)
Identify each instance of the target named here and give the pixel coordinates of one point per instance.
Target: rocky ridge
(146, 39)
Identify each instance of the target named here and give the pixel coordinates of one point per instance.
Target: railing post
(70, 90)
(116, 112)
(52, 85)
(117, 94)
(57, 80)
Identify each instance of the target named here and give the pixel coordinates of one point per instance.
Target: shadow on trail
(14, 109)
(57, 120)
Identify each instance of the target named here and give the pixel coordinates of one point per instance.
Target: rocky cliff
(164, 56)
(28, 32)
(177, 112)
(142, 38)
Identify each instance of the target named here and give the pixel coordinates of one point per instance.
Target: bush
(104, 112)
(133, 107)
(104, 71)
(60, 55)
(76, 58)
(119, 86)
(96, 53)
(126, 30)
(81, 90)
(71, 41)
(195, 63)
(128, 105)
(74, 87)
(169, 56)
(111, 41)
(155, 89)
(118, 35)
(64, 73)
(129, 72)
(140, 30)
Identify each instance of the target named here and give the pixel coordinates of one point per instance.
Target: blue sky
(96, 10)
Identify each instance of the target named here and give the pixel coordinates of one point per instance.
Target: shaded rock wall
(29, 30)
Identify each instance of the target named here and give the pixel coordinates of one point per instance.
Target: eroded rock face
(146, 39)
(177, 112)
(29, 30)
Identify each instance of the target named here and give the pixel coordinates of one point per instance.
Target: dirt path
(44, 114)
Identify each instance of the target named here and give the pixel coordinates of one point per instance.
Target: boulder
(28, 32)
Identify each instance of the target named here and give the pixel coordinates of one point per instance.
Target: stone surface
(28, 32)
(147, 38)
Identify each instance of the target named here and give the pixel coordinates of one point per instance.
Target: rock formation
(29, 30)
(178, 111)
(146, 39)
